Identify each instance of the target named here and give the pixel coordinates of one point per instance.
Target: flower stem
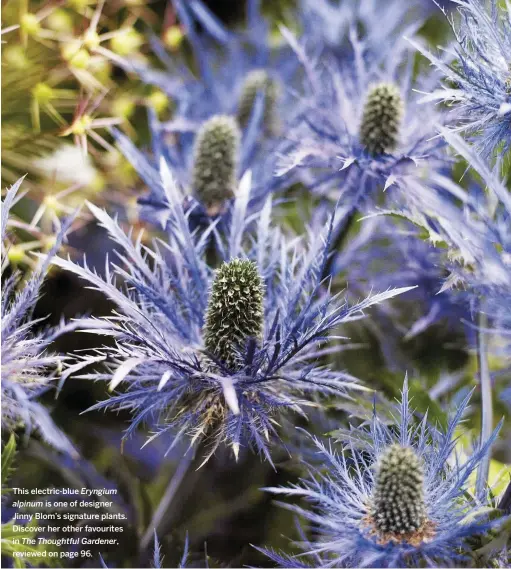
(340, 240)
(487, 404)
(168, 497)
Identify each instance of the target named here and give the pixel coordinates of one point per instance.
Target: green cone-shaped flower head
(398, 498)
(259, 81)
(381, 121)
(235, 310)
(215, 162)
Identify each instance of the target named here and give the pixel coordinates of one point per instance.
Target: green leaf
(8, 454)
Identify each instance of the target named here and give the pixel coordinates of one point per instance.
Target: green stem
(168, 497)
(487, 403)
(339, 240)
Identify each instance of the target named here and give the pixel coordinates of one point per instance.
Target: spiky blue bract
(476, 237)
(336, 143)
(342, 495)
(158, 328)
(28, 364)
(328, 25)
(157, 561)
(477, 77)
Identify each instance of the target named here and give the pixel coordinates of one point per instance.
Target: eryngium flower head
(164, 356)
(381, 120)
(28, 366)
(477, 76)
(235, 311)
(215, 162)
(409, 471)
(259, 81)
(224, 60)
(398, 499)
(356, 133)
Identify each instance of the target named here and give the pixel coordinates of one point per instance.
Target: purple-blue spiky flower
(239, 77)
(28, 364)
(358, 130)
(218, 355)
(475, 233)
(392, 495)
(477, 74)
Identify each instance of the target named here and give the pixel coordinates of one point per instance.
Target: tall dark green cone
(215, 162)
(398, 498)
(235, 311)
(257, 81)
(381, 121)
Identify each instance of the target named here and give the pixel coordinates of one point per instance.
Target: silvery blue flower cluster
(332, 173)
(28, 364)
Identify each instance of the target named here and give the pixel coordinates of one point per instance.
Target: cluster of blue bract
(223, 319)
(390, 497)
(28, 366)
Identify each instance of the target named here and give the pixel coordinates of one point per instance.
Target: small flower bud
(259, 81)
(60, 21)
(158, 101)
(75, 55)
(235, 311)
(173, 37)
(16, 255)
(91, 39)
(126, 41)
(15, 56)
(215, 162)
(30, 24)
(123, 106)
(398, 498)
(381, 121)
(43, 93)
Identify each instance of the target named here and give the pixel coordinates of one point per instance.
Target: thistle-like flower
(238, 75)
(396, 495)
(235, 311)
(398, 498)
(358, 131)
(216, 156)
(259, 81)
(381, 119)
(219, 355)
(477, 79)
(28, 366)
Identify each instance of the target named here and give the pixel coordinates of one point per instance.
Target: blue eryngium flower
(358, 129)
(478, 79)
(219, 354)
(391, 496)
(28, 365)
(241, 76)
(476, 237)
